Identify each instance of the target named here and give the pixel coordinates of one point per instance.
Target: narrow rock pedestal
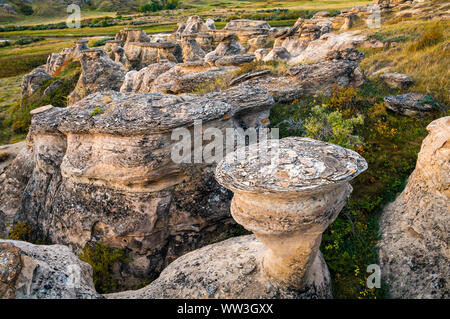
(287, 196)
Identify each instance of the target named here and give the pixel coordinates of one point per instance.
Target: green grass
(391, 145)
(31, 56)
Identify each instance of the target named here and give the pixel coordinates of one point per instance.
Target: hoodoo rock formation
(287, 192)
(414, 249)
(102, 169)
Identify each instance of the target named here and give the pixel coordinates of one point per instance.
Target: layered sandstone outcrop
(132, 35)
(297, 38)
(189, 77)
(414, 249)
(140, 55)
(102, 169)
(32, 81)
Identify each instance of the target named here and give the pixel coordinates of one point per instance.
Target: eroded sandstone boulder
(307, 182)
(190, 76)
(229, 46)
(192, 51)
(411, 104)
(30, 271)
(319, 49)
(310, 79)
(32, 81)
(397, 80)
(98, 73)
(297, 38)
(140, 55)
(56, 60)
(194, 25)
(278, 54)
(132, 35)
(142, 81)
(414, 249)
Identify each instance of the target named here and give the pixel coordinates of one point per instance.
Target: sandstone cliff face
(110, 176)
(414, 250)
(32, 81)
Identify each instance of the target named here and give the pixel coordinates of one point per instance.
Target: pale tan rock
(140, 55)
(142, 81)
(277, 54)
(191, 49)
(98, 73)
(132, 35)
(414, 249)
(276, 196)
(318, 50)
(33, 81)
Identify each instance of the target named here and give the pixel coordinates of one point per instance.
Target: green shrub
(102, 259)
(332, 127)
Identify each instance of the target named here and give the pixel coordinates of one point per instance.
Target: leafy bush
(103, 259)
(26, 9)
(97, 111)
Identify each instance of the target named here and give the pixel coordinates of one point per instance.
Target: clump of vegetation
(158, 5)
(218, 84)
(97, 111)
(103, 259)
(332, 127)
(390, 144)
(20, 231)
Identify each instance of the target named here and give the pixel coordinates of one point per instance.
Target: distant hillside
(14, 10)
